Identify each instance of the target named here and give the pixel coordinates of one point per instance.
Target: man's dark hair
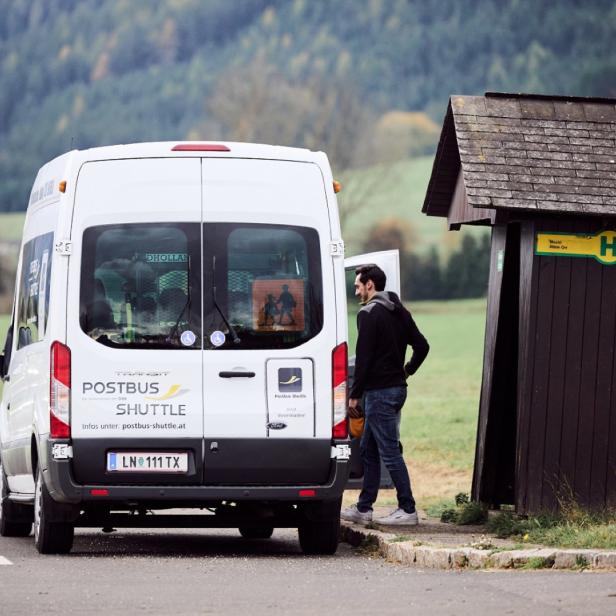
(372, 272)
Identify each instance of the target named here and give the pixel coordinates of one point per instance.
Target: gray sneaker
(353, 514)
(399, 517)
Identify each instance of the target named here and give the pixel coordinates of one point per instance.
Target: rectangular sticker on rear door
(137, 402)
(290, 398)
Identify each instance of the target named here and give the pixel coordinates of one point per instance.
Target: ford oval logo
(276, 425)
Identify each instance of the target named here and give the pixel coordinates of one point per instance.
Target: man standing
(385, 328)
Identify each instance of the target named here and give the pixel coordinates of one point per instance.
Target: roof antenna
(72, 139)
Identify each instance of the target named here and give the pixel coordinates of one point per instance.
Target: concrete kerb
(416, 553)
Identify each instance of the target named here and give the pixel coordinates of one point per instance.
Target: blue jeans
(380, 442)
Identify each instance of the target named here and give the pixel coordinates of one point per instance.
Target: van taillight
(339, 385)
(60, 391)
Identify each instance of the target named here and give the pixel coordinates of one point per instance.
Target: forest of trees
(364, 80)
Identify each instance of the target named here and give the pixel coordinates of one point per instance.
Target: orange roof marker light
(337, 186)
(62, 186)
(200, 147)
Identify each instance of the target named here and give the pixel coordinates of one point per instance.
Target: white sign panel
(290, 398)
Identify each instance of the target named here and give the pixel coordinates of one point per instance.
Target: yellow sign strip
(601, 246)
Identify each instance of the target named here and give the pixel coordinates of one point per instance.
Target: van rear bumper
(63, 488)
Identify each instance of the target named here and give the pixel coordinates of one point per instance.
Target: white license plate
(147, 462)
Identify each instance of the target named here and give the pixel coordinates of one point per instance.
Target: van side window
(265, 280)
(33, 307)
(8, 351)
(140, 285)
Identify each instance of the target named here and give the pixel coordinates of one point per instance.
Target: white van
(178, 339)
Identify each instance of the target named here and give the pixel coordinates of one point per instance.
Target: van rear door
(134, 322)
(269, 323)
(389, 262)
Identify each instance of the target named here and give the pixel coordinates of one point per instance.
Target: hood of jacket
(388, 299)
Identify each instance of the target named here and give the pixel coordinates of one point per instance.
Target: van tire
(50, 537)
(15, 518)
(319, 531)
(256, 532)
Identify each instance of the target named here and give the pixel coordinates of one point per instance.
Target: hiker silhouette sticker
(278, 305)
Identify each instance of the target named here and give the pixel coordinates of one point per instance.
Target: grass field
(11, 226)
(4, 324)
(440, 416)
(439, 421)
(397, 191)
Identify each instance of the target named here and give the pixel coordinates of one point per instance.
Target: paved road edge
(434, 557)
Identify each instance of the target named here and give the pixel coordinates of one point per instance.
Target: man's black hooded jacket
(385, 328)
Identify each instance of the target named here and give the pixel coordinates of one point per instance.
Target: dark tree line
(463, 275)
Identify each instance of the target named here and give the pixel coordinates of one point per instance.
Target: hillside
(381, 194)
(391, 192)
(395, 192)
(327, 75)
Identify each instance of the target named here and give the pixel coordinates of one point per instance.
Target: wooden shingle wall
(445, 171)
(535, 154)
(460, 212)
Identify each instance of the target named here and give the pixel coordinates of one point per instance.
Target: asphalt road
(218, 572)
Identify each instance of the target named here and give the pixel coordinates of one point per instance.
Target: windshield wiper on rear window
(236, 338)
(176, 326)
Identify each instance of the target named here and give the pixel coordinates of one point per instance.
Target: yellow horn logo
(173, 391)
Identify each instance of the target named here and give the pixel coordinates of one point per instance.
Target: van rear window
(263, 286)
(140, 285)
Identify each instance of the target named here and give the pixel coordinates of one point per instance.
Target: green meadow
(11, 226)
(395, 191)
(439, 420)
(440, 416)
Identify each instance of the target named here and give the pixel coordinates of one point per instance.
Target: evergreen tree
(421, 277)
(466, 274)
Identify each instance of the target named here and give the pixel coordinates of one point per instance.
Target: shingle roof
(527, 152)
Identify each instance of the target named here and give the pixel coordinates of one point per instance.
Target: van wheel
(50, 537)
(15, 518)
(319, 531)
(256, 532)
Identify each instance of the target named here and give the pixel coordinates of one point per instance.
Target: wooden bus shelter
(541, 172)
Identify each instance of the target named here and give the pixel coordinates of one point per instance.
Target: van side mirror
(2, 372)
(24, 337)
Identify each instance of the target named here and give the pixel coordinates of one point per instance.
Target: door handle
(236, 374)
